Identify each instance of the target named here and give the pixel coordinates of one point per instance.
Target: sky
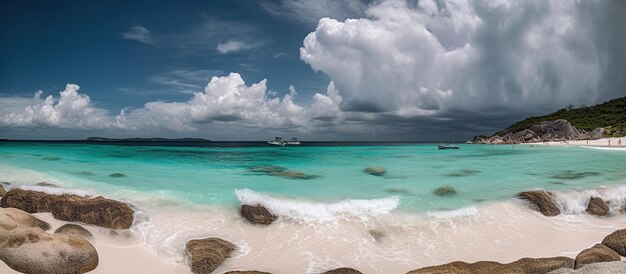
(402, 70)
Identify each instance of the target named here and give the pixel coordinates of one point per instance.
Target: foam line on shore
(59, 190)
(318, 211)
(573, 202)
(460, 212)
(607, 148)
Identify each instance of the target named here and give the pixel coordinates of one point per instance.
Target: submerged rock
(597, 206)
(45, 184)
(290, 174)
(445, 191)
(206, 255)
(86, 173)
(281, 172)
(542, 201)
(377, 235)
(27, 248)
(399, 191)
(596, 254)
(268, 169)
(464, 172)
(616, 241)
(49, 158)
(73, 229)
(343, 270)
(257, 214)
(522, 266)
(117, 175)
(375, 170)
(96, 211)
(572, 175)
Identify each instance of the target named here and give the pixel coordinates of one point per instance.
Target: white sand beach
(617, 143)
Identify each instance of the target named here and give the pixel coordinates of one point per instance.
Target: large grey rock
(96, 211)
(596, 254)
(597, 206)
(206, 255)
(28, 249)
(257, 214)
(597, 268)
(560, 128)
(542, 201)
(616, 241)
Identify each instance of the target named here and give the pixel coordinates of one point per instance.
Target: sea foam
(461, 212)
(318, 211)
(59, 190)
(572, 202)
(607, 148)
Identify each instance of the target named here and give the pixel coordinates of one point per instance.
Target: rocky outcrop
(206, 255)
(596, 254)
(542, 201)
(445, 191)
(616, 241)
(597, 206)
(96, 211)
(609, 267)
(25, 247)
(522, 266)
(2, 191)
(375, 170)
(257, 214)
(73, 229)
(343, 270)
(547, 131)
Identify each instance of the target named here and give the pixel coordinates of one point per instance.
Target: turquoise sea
(209, 173)
(377, 224)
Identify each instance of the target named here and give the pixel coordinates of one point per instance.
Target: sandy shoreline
(501, 231)
(603, 142)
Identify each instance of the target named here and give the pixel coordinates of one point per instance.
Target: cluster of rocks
(543, 201)
(612, 247)
(548, 131)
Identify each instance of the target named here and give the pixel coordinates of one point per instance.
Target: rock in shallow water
(257, 214)
(96, 211)
(616, 241)
(596, 254)
(117, 175)
(445, 191)
(542, 201)
(73, 229)
(375, 170)
(206, 255)
(27, 248)
(597, 206)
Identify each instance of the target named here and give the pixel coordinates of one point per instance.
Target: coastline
(500, 231)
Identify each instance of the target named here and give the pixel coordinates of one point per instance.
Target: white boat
(448, 146)
(293, 141)
(278, 141)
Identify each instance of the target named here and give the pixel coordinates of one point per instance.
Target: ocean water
(319, 190)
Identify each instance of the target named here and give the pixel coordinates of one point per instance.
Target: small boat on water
(278, 141)
(448, 146)
(293, 141)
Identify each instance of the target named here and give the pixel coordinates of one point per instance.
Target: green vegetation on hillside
(610, 115)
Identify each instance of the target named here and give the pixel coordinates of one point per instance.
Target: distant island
(584, 123)
(153, 139)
